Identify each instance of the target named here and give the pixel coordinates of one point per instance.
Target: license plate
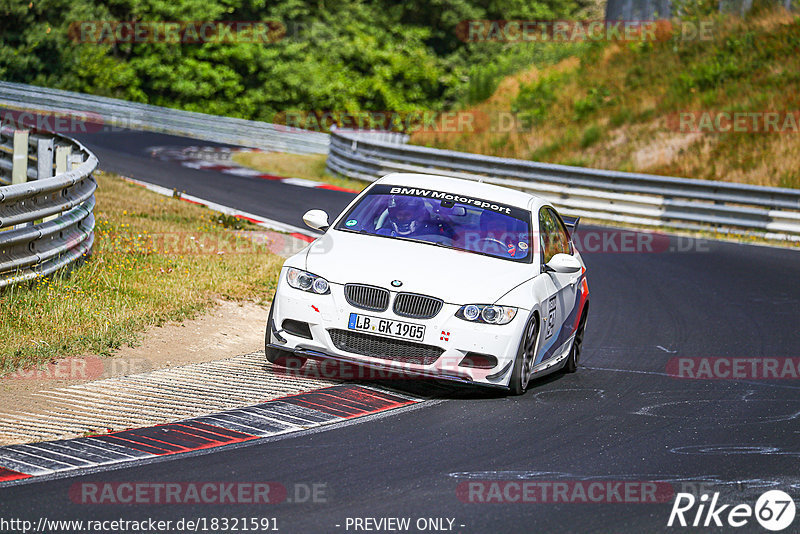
(386, 327)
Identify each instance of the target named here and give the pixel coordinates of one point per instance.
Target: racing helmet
(405, 214)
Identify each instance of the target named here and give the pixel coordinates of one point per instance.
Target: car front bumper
(454, 337)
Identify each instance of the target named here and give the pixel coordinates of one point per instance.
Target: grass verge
(154, 260)
(310, 167)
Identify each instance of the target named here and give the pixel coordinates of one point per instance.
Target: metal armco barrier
(631, 10)
(113, 113)
(46, 202)
(611, 196)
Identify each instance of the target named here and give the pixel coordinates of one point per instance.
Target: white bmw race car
(435, 277)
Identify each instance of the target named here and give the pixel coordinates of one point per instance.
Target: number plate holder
(386, 327)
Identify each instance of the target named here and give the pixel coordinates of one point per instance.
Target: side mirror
(563, 263)
(316, 219)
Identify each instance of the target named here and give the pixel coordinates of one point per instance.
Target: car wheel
(526, 354)
(279, 357)
(577, 344)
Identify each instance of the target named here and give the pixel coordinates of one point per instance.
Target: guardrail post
(62, 157)
(44, 159)
(19, 161)
(75, 160)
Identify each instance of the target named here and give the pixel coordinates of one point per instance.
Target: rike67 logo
(774, 510)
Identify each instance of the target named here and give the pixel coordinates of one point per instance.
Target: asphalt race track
(125, 152)
(623, 416)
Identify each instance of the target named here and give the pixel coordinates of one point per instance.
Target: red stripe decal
(248, 219)
(323, 407)
(346, 402)
(303, 237)
(218, 431)
(356, 400)
(342, 402)
(337, 188)
(370, 398)
(7, 475)
(133, 444)
(173, 439)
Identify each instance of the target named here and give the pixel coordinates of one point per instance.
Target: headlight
(307, 282)
(487, 313)
(471, 312)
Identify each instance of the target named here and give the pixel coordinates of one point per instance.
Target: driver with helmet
(407, 217)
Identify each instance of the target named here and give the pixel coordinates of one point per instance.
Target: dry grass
(749, 66)
(489, 135)
(310, 167)
(154, 260)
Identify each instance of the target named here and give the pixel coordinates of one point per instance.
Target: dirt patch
(229, 329)
(663, 150)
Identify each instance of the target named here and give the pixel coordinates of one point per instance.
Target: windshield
(446, 219)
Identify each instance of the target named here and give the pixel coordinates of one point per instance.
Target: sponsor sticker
(551, 318)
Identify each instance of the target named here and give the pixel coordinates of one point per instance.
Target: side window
(546, 229)
(561, 236)
(553, 236)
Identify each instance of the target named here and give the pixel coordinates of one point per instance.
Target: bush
(591, 135)
(596, 98)
(348, 56)
(534, 100)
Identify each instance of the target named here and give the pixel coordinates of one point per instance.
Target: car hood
(454, 276)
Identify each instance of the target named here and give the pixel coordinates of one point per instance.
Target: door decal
(551, 318)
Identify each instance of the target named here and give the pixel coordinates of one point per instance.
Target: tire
(574, 357)
(281, 358)
(526, 354)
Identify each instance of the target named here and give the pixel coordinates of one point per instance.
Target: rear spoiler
(571, 223)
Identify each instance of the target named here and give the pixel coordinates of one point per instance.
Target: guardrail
(124, 114)
(663, 9)
(46, 202)
(611, 196)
